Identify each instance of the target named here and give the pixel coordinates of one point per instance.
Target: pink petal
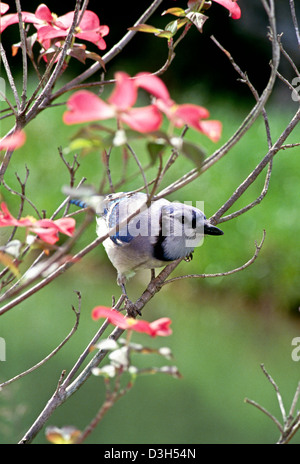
(212, 129)
(43, 13)
(104, 30)
(192, 115)
(8, 20)
(153, 85)
(114, 316)
(46, 33)
(3, 7)
(158, 327)
(6, 218)
(85, 106)
(92, 36)
(65, 225)
(47, 234)
(145, 119)
(124, 94)
(48, 229)
(65, 21)
(232, 6)
(13, 18)
(189, 114)
(14, 141)
(161, 327)
(89, 21)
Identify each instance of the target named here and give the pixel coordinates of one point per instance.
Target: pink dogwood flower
(179, 115)
(58, 27)
(85, 106)
(46, 229)
(160, 327)
(50, 26)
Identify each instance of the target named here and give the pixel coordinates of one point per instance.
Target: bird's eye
(194, 220)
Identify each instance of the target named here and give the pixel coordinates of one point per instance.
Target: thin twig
(267, 413)
(24, 56)
(223, 274)
(50, 355)
(135, 157)
(9, 76)
(279, 397)
(290, 424)
(295, 21)
(253, 203)
(294, 402)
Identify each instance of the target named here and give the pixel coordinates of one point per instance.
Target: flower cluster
(159, 327)
(50, 26)
(85, 106)
(46, 229)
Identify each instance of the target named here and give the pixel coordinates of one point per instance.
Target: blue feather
(122, 235)
(79, 203)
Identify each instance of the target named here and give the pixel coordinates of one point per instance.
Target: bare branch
(259, 168)
(248, 121)
(255, 202)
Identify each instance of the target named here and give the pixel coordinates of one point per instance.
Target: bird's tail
(79, 203)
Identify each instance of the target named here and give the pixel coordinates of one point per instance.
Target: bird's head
(185, 221)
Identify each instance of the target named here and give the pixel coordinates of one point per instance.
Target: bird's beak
(209, 229)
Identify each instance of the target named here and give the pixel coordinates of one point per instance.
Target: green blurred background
(223, 328)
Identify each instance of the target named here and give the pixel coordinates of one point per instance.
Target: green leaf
(198, 19)
(192, 152)
(164, 35)
(174, 11)
(82, 143)
(172, 27)
(9, 262)
(94, 56)
(154, 149)
(145, 28)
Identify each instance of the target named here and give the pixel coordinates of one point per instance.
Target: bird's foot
(131, 309)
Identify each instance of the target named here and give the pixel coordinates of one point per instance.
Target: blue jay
(155, 236)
